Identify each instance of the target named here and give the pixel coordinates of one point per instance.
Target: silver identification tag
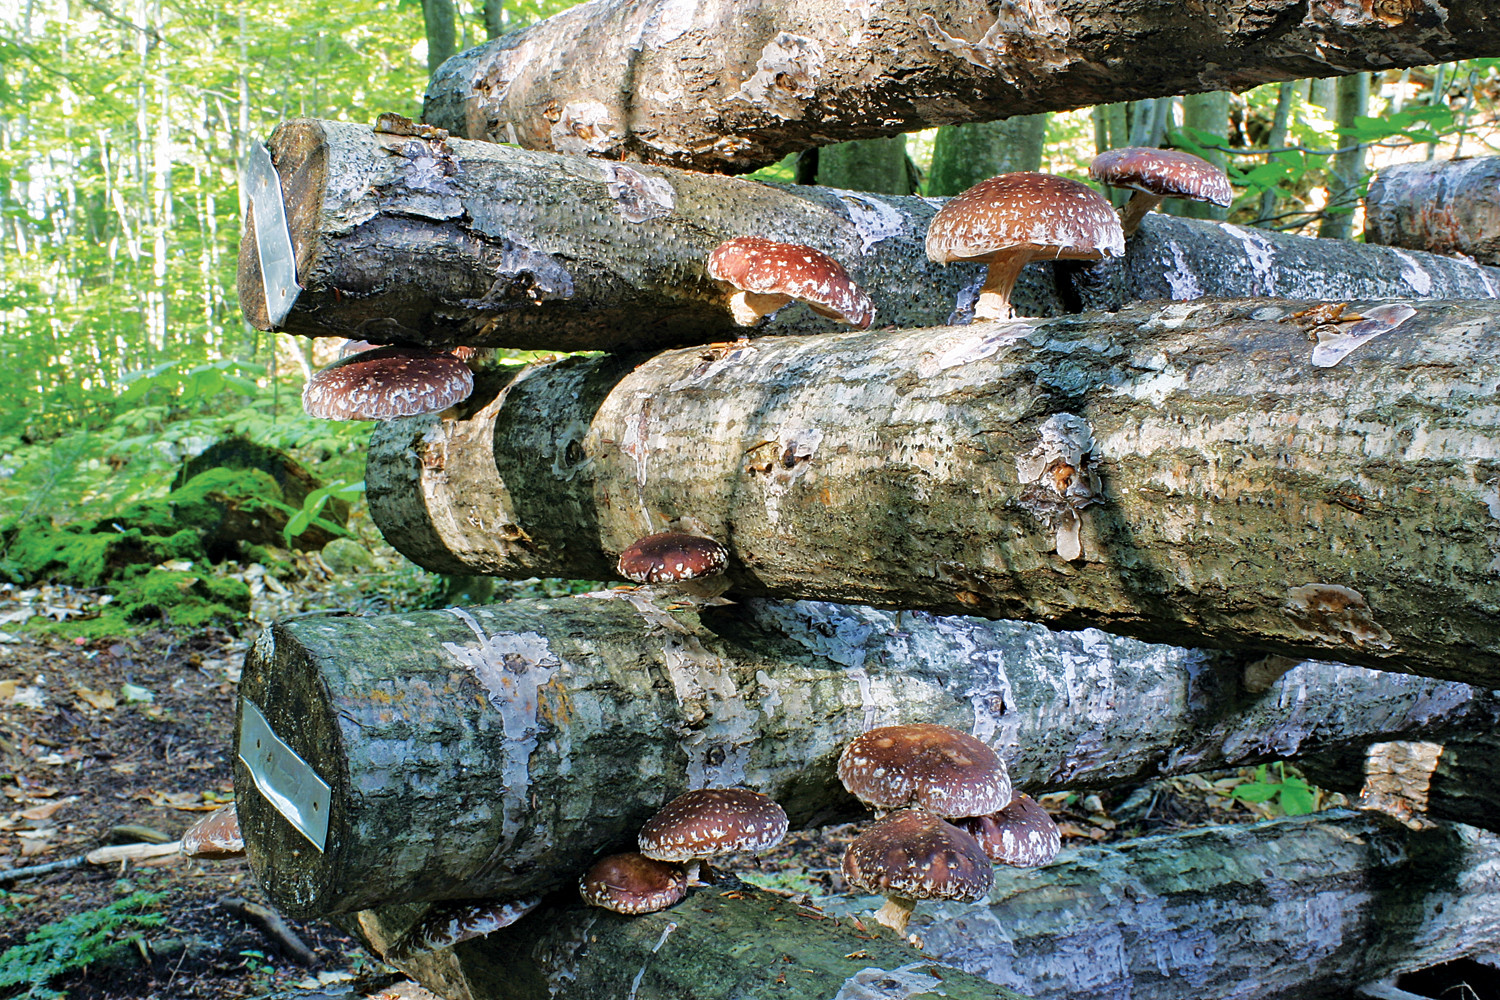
(273, 240)
(287, 781)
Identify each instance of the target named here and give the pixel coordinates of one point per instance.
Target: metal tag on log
(285, 779)
(273, 240)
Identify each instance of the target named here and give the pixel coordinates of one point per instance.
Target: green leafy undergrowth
(76, 942)
(1295, 796)
(154, 556)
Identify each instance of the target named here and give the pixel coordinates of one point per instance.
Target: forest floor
(96, 736)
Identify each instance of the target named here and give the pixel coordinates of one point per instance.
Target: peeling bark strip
(730, 86)
(412, 239)
(1243, 485)
(1446, 206)
(1173, 917)
(495, 751)
(780, 951)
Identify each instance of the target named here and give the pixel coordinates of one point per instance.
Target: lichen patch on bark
(1337, 614)
(640, 197)
(786, 75)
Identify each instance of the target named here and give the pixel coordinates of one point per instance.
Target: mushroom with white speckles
(1022, 834)
(704, 822)
(1014, 218)
(1154, 174)
(768, 275)
(387, 382)
(695, 563)
(632, 883)
(941, 769)
(912, 855)
(216, 836)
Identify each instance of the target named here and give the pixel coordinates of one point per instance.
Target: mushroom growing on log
(387, 382)
(1156, 174)
(767, 275)
(911, 855)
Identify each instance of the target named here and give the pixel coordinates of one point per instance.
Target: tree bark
(1223, 911)
(731, 86)
(404, 239)
(489, 752)
(781, 950)
(1463, 786)
(1189, 473)
(964, 155)
(1446, 206)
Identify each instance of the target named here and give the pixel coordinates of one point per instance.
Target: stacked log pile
(1236, 473)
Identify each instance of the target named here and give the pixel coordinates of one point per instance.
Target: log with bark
(1446, 206)
(780, 950)
(1199, 473)
(403, 238)
(1224, 911)
(494, 751)
(730, 86)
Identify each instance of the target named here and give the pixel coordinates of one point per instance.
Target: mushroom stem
(895, 913)
(1136, 209)
(999, 281)
(747, 308)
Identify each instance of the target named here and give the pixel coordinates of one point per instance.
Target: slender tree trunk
(496, 19)
(1286, 96)
(440, 21)
(1450, 207)
(1206, 113)
(403, 239)
(731, 85)
(964, 155)
(878, 165)
(1024, 470)
(1347, 172)
(483, 752)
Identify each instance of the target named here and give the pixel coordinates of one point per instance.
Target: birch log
(494, 751)
(1202, 474)
(401, 238)
(1314, 906)
(730, 85)
(726, 940)
(1446, 206)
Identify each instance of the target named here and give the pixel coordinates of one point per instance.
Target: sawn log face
(494, 751)
(730, 85)
(1199, 473)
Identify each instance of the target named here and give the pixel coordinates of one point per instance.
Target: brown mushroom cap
(216, 836)
(1022, 834)
(632, 883)
(387, 382)
(1168, 173)
(672, 556)
(1047, 216)
(915, 855)
(941, 769)
(785, 271)
(448, 924)
(709, 821)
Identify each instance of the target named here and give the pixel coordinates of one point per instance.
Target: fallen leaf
(102, 700)
(133, 693)
(46, 809)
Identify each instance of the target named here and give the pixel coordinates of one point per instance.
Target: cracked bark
(404, 239)
(729, 86)
(1186, 473)
(1170, 917)
(494, 751)
(1446, 206)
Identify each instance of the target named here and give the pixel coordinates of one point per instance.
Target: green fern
(75, 943)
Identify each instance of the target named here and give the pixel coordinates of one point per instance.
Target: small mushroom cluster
(676, 844)
(954, 814)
